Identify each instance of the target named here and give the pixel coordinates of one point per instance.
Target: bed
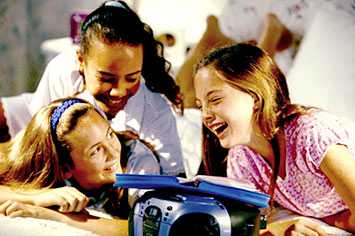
(320, 74)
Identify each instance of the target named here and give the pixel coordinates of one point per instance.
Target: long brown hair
(250, 70)
(36, 157)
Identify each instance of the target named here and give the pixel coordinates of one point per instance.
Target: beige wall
(24, 25)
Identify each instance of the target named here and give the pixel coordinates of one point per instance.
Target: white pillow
(244, 20)
(323, 73)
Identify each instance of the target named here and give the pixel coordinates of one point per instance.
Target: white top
(147, 113)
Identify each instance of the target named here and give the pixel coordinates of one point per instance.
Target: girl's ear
(256, 105)
(68, 175)
(67, 172)
(80, 58)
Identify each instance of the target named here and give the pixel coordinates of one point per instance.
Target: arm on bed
(68, 199)
(82, 220)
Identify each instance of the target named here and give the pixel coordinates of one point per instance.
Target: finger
(66, 199)
(82, 204)
(295, 233)
(64, 207)
(18, 213)
(4, 206)
(14, 206)
(73, 203)
(315, 227)
(83, 201)
(81, 198)
(304, 230)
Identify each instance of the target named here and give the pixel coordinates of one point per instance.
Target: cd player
(176, 213)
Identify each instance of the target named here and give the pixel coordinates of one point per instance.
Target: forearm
(7, 193)
(81, 220)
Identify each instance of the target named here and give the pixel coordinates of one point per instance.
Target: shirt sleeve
(141, 161)
(315, 134)
(16, 112)
(159, 128)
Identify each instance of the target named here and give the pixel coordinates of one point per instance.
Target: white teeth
(219, 128)
(215, 128)
(116, 102)
(111, 168)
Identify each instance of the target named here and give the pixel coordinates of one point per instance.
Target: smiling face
(226, 111)
(95, 152)
(112, 73)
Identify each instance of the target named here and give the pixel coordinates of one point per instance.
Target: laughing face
(95, 152)
(226, 111)
(112, 74)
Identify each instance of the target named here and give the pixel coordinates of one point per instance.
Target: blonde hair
(37, 157)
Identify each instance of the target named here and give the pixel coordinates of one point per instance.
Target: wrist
(28, 199)
(54, 215)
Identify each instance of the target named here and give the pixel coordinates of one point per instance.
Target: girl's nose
(111, 151)
(207, 114)
(118, 90)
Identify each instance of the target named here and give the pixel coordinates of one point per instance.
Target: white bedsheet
(27, 226)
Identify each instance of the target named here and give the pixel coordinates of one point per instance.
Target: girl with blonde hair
(68, 156)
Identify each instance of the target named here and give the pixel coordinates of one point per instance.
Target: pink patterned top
(305, 189)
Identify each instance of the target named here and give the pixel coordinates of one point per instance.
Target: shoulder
(64, 61)
(316, 122)
(141, 159)
(311, 135)
(155, 101)
(62, 74)
(64, 66)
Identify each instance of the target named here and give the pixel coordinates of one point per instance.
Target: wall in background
(24, 25)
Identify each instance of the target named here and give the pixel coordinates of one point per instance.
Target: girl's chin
(228, 142)
(225, 144)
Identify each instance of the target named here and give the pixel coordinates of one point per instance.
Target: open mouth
(112, 168)
(113, 104)
(219, 128)
(116, 103)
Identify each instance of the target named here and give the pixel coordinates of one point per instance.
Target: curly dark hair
(115, 22)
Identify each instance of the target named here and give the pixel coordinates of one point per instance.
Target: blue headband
(94, 16)
(58, 112)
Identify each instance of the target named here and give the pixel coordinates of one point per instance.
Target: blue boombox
(183, 209)
(165, 213)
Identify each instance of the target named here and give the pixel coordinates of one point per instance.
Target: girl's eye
(95, 151)
(107, 79)
(131, 79)
(215, 100)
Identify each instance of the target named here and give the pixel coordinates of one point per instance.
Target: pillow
(244, 20)
(323, 72)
